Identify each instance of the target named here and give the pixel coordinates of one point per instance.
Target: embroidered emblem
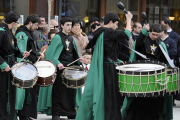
(12, 41)
(67, 44)
(153, 48)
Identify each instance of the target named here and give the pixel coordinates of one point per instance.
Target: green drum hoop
(143, 79)
(173, 84)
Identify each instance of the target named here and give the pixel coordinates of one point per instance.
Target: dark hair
(86, 53)
(76, 21)
(11, 17)
(155, 28)
(110, 17)
(164, 28)
(93, 26)
(52, 31)
(64, 20)
(41, 16)
(102, 19)
(135, 24)
(93, 19)
(32, 18)
(167, 21)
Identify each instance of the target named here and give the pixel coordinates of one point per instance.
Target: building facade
(156, 10)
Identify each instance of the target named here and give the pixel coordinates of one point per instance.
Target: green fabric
(20, 97)
(167, 112)
(128, 33)
(45, 94)
(3, 66)
(92, 102)
(2, 29)
(144, 32)
(22, 41)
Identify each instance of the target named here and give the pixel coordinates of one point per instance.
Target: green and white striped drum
(173, 84)
(143, 79)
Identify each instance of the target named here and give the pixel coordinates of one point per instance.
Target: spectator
(79, 36)
(137, 27)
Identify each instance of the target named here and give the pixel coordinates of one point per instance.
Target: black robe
(8, 46)
(113, 100)
(63, 98)
(30, 109)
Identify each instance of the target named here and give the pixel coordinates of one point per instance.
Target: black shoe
(55, 118)
(174, 104)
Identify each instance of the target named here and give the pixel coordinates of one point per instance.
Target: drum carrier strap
(8, 90)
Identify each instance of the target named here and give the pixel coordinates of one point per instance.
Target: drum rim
(143, 72)
(28, 63)
(171, 70)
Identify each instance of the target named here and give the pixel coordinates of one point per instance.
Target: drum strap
(8, 90)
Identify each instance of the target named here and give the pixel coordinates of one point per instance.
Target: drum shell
(74, 83)
(173, 84)
(47, 81)
(143, 84)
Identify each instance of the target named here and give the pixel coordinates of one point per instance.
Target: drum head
(140, 67)
(26, 71)
(74, 73)
(45, 68)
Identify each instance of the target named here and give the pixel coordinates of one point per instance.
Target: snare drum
(74, 77)
(24, 75)
(142, 79)
(173, 84)
(46, 73)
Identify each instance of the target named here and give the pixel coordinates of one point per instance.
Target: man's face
(162, 23)
(153, 35)
(67, 27)
(87, 59)
(34, 26)
(138, 28)
(43, 22)
(114, 25)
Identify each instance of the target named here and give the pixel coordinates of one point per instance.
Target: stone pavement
(176, 113)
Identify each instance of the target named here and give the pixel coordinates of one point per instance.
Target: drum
(74, 77)
(173, 84)
(46, 73)
(142, 79)
(24, 75)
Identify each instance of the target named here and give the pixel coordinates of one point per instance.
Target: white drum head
(45, 68)
(140, 67)
(24, 72)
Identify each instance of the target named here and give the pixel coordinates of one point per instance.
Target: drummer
(8, 53)
(148, 108)
(64, 52)
(26, 41)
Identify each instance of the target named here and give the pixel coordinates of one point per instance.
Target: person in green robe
(26, 99)
(59, 100)
(148, 108)
(9, 51)
(101, 99)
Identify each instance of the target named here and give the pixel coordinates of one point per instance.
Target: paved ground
(176, 113)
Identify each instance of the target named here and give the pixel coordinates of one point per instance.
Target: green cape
(45, 94)
(167, 111)
(92, 102)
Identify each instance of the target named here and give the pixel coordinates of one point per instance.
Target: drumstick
(40, 57)
(24, 57)
(74, 61)
(14, 67)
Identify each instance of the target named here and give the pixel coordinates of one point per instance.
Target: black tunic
(30, 109)
(63, 98)
(8, 46)
(112, 97)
